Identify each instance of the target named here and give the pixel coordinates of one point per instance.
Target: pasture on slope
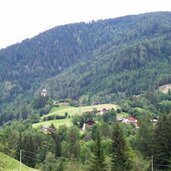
(71, 112)
(9, 164)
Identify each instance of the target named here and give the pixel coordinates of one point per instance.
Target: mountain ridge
(101, 52)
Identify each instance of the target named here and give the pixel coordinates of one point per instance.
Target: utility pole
(138, 165)
(152, 165)
(20, 159)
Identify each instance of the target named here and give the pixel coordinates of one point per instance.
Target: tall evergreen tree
(162, 143)
(57, 141)
(97, 162)
(144, 137)
(50, 162)
(120, 150)
(72, 143)
(29, 155)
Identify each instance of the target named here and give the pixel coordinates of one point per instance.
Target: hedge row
(53, 117)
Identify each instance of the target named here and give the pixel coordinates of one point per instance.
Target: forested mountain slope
(100, 61)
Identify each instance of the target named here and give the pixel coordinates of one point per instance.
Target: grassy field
(78, 110)
(71, 111)
(56, 123)
(9, 164)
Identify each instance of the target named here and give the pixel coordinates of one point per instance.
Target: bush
(53, 117)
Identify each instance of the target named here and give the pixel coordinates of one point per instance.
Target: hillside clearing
(71, 112)
(165, 88)
(79, 110)
(56, 123)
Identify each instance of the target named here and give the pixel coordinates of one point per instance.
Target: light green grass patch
(122, 115)
(56, 123)
(71, 112)
(56, 109)
(9, 164)
(78, 110)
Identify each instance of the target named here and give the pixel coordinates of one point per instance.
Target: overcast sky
(21, 19)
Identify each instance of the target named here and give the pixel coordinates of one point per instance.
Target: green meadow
(9, 164)
(61, 110)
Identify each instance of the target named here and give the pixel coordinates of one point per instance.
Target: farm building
(44, 93)
(88, 124)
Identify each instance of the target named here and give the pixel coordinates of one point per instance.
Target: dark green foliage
(132, 56)
(147, 104)
(50, 162)
(57, 140)
(19, 146)
(86, 149)
(144, 136)
(117, 82)
(33, 143)
(162, 143)
(79, 120)
(46, 109)
(34, 118)
(62, 132)
(72, 146)
(105, 130)
(120, 151)
(97, 162)
(28, 151)
(25, 112)
(40, 102)
(64, 148)
(66, 114)
(53, 117)
(103, 61)
(94, 130)
(109, 117)
(165, 106)
(60, 164)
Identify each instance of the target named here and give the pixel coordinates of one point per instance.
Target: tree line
(105, 146)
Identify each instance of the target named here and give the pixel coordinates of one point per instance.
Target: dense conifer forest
(104, 60)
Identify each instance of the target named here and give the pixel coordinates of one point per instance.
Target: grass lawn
(56, 123)
(9, 164)
(71, 111)
(78, 110)
(56, 109)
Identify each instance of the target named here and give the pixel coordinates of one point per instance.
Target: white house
(44, 93)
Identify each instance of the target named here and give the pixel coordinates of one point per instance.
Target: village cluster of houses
(127, 120)
(89, 123)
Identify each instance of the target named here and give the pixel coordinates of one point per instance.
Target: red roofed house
(130, 120)
(88, 124)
